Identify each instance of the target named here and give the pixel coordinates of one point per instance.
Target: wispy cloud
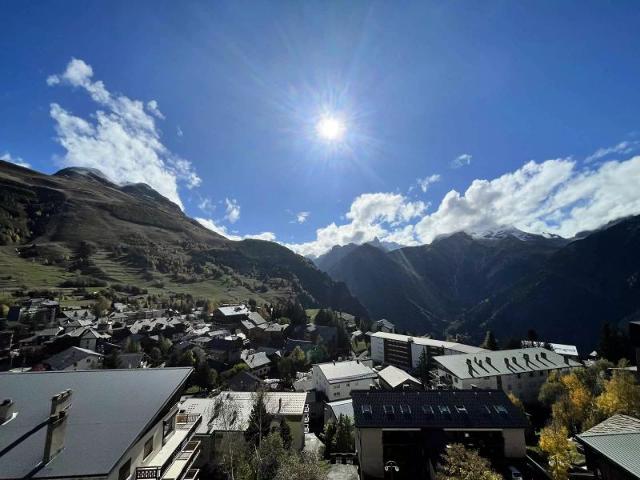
(461, 160)
(206, 205)
(120, 138)
(623, 148)
(301, 217)
(426, 182)
(179, 131)
(7, 157)
(232, 210)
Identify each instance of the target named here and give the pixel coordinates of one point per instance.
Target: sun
(331, 128)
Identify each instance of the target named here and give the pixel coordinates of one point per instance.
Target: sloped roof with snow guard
(110, 410)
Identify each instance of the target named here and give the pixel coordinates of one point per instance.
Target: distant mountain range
(78, 224)
(507, 281)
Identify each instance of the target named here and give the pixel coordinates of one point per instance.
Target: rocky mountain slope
(78, 223)
(506, 281)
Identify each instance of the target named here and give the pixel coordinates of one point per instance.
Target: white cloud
(302, 217)
(121, 139)
(461, 161)
(206, 205)
(7, 157)
(426, 182)
(623, 148)
(222, 230)
(179, 131)
(554, 196)
(233, 210)
(371, 215)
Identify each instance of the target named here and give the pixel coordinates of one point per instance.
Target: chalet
(91, 339)
(383, 325)
(61, 425)
(244, 381)
(413, 429)
(258, 362)
(74, 358)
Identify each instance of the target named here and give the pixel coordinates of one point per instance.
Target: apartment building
(403, 351)
(520, 371)
(99, 424)
(410, 430)
(337, 379)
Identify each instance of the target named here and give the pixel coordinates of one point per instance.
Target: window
(519, 375)
(389, 411)
(428, 410)
(444, 410)
(531, 374)
(405, 410)
(168, 426)
(125, 470)
(148, 447)
(347, 384)
(541, 373)
(501, 409)
(487, 410)
(336, 394)
(461, 409)
(366, 410)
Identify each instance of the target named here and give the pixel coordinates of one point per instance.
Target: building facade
(337, 379)
(412, 429)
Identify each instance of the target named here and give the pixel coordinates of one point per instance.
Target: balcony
(176, 457)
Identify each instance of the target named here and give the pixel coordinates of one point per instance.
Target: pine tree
(285, 433)
(422, 370)
(259, 422)
(344, 435)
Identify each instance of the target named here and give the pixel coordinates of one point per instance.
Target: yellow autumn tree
(579, 401)
(516, 401)
(621, 395)
(555, 443)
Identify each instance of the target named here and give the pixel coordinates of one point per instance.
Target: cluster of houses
(403, 421)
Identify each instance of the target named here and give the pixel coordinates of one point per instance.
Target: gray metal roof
(618, 439)
(503, 362)
(110, 409)
(342, 407)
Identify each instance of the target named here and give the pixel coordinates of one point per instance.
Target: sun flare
(331, 128)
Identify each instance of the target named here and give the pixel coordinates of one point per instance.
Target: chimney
(54, 442)
(334, 362)
(526, 357)
(7, 407)
(537, 359)
(488, 360)
(566, 360)
(469, 362)
(506, 360)
(543, 355)
(280, 404)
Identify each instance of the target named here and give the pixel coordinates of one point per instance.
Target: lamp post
(392, 467)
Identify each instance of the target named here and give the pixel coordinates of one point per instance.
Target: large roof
(109, 410)
(430, 342)
(436, 409)
(503, 362)
(342, 371)
(394, 376)
(255, 360)
(230, 411)
(618, 439)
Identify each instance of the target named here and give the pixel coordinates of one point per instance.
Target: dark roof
(110, 409)
(481, 409)
(244, 381)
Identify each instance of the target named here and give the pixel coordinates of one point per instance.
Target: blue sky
(458, 115)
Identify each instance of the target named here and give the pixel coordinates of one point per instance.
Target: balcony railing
(174, 460)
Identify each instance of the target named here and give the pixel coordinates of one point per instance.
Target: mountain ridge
(134, 228)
